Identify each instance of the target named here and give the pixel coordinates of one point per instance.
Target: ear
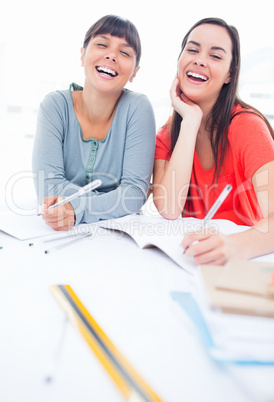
(228, 79)
(134, 74)
(83, 52)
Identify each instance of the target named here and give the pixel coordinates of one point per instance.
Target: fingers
(62, 224)
(181, 103)
(175, 84)
(190, 238)
(206, 249)
(59, 218)
(48, 201)
(175, 90)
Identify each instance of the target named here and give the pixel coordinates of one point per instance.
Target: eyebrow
(213, 47)
(126, 44)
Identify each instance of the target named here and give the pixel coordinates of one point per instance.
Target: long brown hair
(221, 113)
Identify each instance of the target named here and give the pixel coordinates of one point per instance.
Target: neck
(98, 107)
(207, 110)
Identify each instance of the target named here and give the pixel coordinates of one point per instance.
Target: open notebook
(166, 235)
(147, 231)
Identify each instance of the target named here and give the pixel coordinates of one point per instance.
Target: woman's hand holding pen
(215, 249)
(59, 218)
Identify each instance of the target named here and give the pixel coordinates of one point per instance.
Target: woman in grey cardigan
(101, 131)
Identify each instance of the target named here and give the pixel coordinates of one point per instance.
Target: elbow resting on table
(170, 217)
(165, 212)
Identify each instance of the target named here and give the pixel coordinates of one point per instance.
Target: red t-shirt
(249, 147)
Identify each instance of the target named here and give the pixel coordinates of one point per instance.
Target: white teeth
(107, 71)
(195, 75)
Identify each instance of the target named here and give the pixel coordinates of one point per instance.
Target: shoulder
(57, 100)
(250, 139)
(132, 96)
(135, 109)
(248, 118)
(248, 127)
(131, 99)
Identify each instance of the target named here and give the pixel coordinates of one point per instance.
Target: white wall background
(40, 41)
(40, 45)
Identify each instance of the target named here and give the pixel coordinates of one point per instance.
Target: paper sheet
(26, 227)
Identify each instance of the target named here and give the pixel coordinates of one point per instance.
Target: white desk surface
(126, 290)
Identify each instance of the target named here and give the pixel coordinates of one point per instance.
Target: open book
(167, 235)
(146, 230)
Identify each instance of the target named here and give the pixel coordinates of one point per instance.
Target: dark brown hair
(116, 26)
(220, 116)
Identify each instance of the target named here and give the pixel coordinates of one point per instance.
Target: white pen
(215, 207)
(84, 190)
(217, 203)
(69, 243)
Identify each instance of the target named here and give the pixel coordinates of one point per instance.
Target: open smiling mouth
(107, 71)
(197, 77)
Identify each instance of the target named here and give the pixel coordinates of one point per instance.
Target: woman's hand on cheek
(176, 96)
(59, 218)
(181, 103)
(215, 249)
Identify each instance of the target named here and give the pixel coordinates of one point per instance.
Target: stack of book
(233, 311)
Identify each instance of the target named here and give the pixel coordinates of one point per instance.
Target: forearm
(259, 239)
(170, 190)
(256, 241)
(109, 203)
(49, 187)
(124, 200)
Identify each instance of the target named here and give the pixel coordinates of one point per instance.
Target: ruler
(129, 382)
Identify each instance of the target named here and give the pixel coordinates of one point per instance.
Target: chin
(194, 97)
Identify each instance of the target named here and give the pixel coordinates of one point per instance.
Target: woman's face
(204, 65)
(109, 63)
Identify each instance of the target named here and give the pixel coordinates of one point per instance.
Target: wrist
(190, 125)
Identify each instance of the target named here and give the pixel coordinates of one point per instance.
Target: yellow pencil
(132, 386)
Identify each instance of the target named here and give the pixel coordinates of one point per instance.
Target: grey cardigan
(123, 160)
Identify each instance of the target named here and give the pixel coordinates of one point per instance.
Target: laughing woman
(213, 139)
(101, 131)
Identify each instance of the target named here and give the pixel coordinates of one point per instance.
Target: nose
(199, 62)
(111, 56)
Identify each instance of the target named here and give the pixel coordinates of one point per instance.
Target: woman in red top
(213, 139)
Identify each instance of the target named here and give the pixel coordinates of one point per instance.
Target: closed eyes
(123, 52)
(214, 56)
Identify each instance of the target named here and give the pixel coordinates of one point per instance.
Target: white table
(127, 291)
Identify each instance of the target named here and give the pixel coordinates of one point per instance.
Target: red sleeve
(251, 141)
(163, 143)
